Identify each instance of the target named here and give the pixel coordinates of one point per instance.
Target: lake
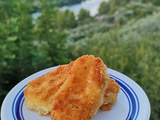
(90, 5)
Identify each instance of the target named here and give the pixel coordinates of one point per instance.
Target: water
(90, 5)
(36, 15)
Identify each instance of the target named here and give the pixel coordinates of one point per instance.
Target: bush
(87, 30)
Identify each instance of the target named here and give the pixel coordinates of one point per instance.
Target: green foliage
(65, 19)
(7, 39)
(27, 47)
(104, 8)
(53, 39)
(15, 38)
(133, 10)
(6, 9)
(156, 2)
(112, 5)
(84, 16)
(81, 32)
(66, 2)
(8, 50)
(119, 2)
(71, 20)
(142, 10)
(60, 20)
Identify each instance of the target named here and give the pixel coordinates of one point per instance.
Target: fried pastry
(111, 92)
(81, 95)
(110, 96)
(39, 92)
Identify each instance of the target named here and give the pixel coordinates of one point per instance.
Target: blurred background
(125, 34)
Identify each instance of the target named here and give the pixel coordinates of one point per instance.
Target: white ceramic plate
(132, 103)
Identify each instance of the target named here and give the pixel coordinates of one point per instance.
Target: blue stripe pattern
(133, 98)
(125, 88)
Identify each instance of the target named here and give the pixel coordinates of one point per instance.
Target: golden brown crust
(80, 97)
(110, 96)
(39, 92)
(106, 107)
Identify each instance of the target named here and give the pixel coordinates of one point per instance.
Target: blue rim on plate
(131, 95)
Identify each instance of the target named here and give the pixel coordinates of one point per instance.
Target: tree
(104, 8)
(69, 2)
(25, 38)
(83, 15)
(8, 48)
(6, 9)
(16, 35)
(61, 23)
(156, 2)
(65, 19)
(71, 20)
(51, 39)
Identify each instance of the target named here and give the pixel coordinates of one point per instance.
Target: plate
(132, 103)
